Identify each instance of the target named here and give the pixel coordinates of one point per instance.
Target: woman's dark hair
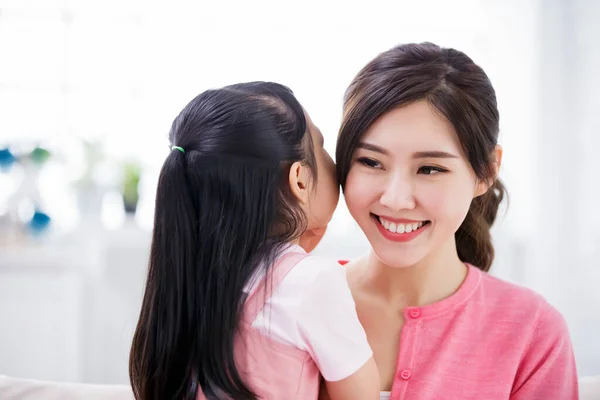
(223, 211)
(462, 93)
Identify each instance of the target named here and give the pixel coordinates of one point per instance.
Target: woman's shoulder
(528, 325)
(500, 288)
(509, 298)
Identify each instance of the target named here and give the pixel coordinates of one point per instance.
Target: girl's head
(417, 152)
(250, 176)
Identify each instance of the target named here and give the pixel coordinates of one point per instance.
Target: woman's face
(410, 186)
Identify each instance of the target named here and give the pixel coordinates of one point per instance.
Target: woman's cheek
(446, 203)
(359, 191)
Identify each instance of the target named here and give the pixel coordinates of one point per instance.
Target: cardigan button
(405, 374)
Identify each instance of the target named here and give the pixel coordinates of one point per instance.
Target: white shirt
(313, 309)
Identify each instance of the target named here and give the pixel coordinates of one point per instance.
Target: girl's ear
(298, 180)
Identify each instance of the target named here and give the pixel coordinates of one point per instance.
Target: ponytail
(210, 235)
(166, 302)
(473, 238)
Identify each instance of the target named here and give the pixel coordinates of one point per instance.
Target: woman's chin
(396, 259)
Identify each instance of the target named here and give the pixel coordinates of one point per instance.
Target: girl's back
(273, 369)
(297, 327)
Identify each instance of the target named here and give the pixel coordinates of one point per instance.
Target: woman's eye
(368, 162)
(429, 170)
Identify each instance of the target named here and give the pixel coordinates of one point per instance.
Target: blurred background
(88, 91)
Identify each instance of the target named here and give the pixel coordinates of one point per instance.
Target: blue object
(39, 222)
(7, 159)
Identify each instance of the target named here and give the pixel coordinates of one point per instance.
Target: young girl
(233, 307)
(418, 160)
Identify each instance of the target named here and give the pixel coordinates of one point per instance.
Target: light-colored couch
(589, 388)
(27, 389)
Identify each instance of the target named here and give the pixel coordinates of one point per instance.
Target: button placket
(408, 347)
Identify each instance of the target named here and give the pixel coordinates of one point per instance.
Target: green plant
(131, 179)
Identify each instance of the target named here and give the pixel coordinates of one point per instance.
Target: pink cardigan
(490, 340)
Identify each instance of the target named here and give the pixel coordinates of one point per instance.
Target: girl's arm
(363, 384)
(331, 332)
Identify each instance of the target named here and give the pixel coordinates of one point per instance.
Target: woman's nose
(398, 194)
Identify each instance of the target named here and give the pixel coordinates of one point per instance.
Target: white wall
(565, 251)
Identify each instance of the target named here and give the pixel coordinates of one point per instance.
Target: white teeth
(400, 228)
(385, 223)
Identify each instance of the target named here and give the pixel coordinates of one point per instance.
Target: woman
(418, 161)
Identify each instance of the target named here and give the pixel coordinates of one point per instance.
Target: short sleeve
(329, 327)
(548, 369)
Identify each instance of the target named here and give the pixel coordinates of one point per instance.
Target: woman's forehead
(416, 127)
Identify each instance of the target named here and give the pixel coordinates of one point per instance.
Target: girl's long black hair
(223, 211)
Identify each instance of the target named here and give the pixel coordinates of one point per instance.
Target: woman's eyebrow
(419, 154)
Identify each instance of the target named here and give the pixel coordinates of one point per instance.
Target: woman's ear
(483, 185)
(298, 180)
